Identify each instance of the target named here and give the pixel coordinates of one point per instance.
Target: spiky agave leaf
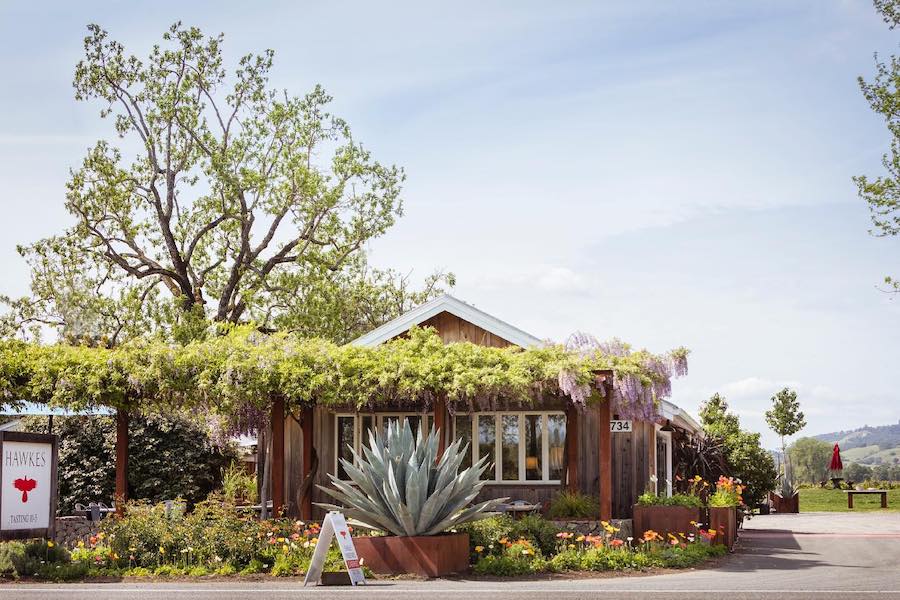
(400, 486)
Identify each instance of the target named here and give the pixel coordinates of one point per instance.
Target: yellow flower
(479, 549)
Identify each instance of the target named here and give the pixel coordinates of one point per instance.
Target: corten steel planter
(785, 505)
(665, 519)
(429, 556)
(723, 520)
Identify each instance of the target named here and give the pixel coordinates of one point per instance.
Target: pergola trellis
(245, 378)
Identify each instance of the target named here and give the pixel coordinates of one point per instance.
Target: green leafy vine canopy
(239, 373)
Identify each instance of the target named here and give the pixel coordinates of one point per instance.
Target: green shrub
(508, 566)
(41, 559)
(486, 532)
(239, 486)
(537, 530)
(567, 560)
(11, 554)
(573, 505)
(688, 500)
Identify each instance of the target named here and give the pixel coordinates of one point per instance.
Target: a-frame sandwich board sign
(334, 527)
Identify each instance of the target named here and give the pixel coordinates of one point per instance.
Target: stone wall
(590, 527)
(71, 530)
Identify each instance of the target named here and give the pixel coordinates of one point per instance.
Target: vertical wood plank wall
(453, 329)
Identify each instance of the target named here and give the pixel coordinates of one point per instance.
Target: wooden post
(440, 425)
(121, 461)
(307, 431)
(572, 448)
(277, 456)
(605, 459)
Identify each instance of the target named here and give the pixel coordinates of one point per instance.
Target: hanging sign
(27, 485)
(617, 426)
(334, 527)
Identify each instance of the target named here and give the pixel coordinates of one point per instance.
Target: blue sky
(668, 173)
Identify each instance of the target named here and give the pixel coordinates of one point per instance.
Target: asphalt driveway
(814, 555)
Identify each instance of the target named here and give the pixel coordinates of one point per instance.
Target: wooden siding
(453, 329)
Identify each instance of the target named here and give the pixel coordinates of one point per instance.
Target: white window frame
(359, 437)
(669, 475)
(498, 445)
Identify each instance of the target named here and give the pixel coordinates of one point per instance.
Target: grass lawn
(818, 499)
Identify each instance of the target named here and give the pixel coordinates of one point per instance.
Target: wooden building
(535, 452)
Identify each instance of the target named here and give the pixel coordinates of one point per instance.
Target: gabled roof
(447, 303)
(673, 412)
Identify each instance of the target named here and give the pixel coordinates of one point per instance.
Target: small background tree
(785, 418)
(810, 459)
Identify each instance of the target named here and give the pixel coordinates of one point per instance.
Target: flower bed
(503, 547)
(214, 539)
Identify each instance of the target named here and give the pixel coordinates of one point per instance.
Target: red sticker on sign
(25, 485)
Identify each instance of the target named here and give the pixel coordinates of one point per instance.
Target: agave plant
(401, 487)
(788, 489)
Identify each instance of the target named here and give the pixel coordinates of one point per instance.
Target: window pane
(464, 432)
(510, 447)
(487, 435)
(368, 424)
(414, 422)
(385, 421)
(662, 464)
(556, 438)
(533, 449)
(345, 442)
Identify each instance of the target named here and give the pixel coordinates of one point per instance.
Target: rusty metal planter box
(723, 520)
(665, 519)
(785, 505)
(429, 556)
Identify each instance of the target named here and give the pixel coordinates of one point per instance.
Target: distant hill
(867, 445)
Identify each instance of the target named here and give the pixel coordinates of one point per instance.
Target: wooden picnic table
(851, 493)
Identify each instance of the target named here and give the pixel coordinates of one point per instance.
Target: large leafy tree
(222, 198)
(882, 193)
(744, 454)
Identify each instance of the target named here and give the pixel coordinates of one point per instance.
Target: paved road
(795, 557)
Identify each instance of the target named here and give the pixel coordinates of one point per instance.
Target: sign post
(334, 527)
(27, 485)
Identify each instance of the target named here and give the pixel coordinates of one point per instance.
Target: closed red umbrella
(836, 464)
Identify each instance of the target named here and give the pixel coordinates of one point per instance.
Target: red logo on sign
(25, 485)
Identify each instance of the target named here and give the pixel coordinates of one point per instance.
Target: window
(352, 430)
(663, 462)
(521, 446)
